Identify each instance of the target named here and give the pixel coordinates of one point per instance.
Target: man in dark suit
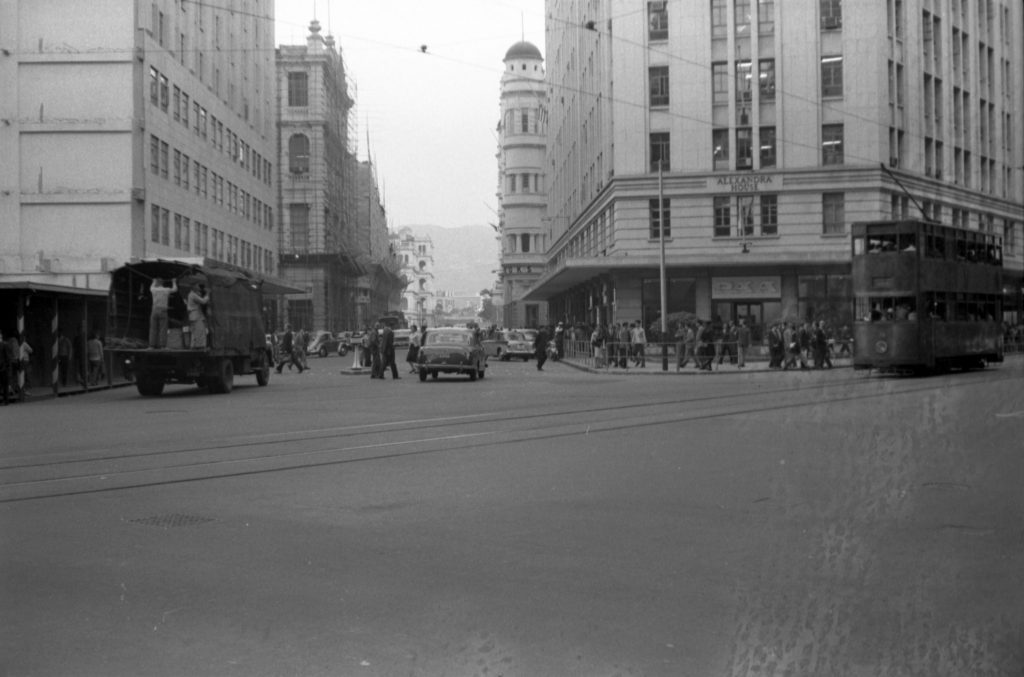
(540, 348)
(387, 350)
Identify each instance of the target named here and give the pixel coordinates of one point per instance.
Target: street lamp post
(664, 281)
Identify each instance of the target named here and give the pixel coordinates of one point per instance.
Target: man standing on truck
(158, 316)
(198, 299)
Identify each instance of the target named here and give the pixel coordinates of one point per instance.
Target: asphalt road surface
(532, 524)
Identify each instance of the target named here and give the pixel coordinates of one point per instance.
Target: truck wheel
(263, 371)
(149, 386)
(224, 379)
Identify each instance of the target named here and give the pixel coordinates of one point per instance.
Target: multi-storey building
(745, 137)
(416, 256)
(317, 183)
(522, 192)
(379, 290)
(129, 129)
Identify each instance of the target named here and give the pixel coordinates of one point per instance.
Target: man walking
(742, 343)
(288, 350)
(540, 348)
(639, 341)
(388, 353)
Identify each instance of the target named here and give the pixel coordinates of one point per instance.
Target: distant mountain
(463, 257)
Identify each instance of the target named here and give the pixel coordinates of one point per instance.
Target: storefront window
(682, 302)
(825, 297)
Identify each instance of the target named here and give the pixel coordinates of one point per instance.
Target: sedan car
(520, 344)
(451, 350)
(323, 344)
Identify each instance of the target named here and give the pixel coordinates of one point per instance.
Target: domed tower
(522, 189)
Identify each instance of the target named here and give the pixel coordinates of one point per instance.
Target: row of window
(830, 16)
(832, 136)
(938, 306)
(522, 121)
(190, 174)
(753, 215)
(191, 236)
(187, 111)
(523, 183)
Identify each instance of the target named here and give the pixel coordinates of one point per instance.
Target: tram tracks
(298, 450)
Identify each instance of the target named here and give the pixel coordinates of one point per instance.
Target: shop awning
(50, 288)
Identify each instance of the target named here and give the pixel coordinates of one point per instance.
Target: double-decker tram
(928, 297)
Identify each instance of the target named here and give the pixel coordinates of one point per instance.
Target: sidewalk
(654, 366)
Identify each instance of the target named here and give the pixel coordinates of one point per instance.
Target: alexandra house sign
(745, 183)
(764, 287)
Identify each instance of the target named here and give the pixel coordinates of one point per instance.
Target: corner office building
(770, 123)
(129, 129)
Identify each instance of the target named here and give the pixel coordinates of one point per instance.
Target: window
(177, 230)
(524, 243)
(744, 148)
(164, 93)
(719, 21)
(298, 153)
(831, 144)
(742, 8)
(164, 159)
(524, 121)
(720, 82)
(720, 146)
(657, 20)
(766, 79)
(154, 223)
(769, 215)
(184, 109)
(165, 226)
(659, 217)
(833, 213)
(831, 14)
(766, 17)
(154, 86)
(767, 151)
(176, 103)
(298, 218)
(298, 89)
(723, 220)
(660, 151)
(658, 78)
(743, 81)
(177, 167)
(185, 168)
(745, 215)
(831, 76)
(154, 154)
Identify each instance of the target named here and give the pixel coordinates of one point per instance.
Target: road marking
(1010, 414)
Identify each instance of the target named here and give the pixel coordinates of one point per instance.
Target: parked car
(496, 345)
(451, 350)
(520, 344)
(323, 344)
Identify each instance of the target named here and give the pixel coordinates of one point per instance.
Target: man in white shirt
(158, 316)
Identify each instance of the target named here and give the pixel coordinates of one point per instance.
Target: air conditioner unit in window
(657, 5)
(831, 23)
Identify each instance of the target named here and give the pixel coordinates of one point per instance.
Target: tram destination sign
(745, 183)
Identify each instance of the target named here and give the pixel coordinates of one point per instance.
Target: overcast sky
(430, 117)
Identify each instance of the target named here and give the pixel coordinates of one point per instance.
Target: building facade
(416, 256)
(317, 184)
(130, 129)
(522, 192)
(694, 128)
(379, 290)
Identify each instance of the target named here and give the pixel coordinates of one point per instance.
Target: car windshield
(516, 336)
(457, 337)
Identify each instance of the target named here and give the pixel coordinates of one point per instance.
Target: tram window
(936, 306)
(936, 247)
(881, 243)
(961, 247)
(887, 308)
(908, 242)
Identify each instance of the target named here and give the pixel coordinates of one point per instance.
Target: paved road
(530, 524)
